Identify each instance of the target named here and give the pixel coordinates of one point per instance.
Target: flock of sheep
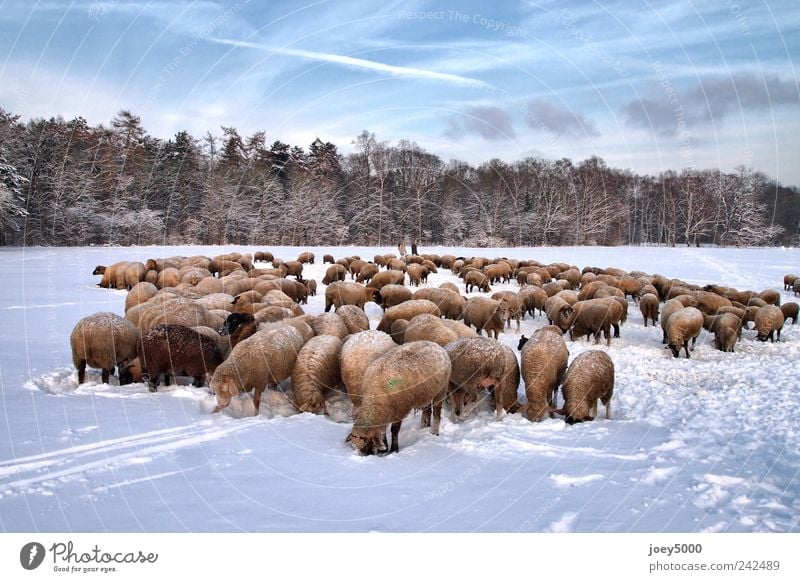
(241, 327)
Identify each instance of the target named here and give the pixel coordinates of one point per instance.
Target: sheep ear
(349, 438)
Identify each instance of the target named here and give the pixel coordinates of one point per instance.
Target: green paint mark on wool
(394, 383)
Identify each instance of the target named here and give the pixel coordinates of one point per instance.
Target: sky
(650, 86)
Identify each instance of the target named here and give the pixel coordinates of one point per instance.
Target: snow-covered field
(707, 444)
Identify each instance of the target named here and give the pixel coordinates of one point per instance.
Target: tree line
(64, 182)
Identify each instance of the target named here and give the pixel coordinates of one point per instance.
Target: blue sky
(645, 85)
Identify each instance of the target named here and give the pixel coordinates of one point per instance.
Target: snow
(707, 444)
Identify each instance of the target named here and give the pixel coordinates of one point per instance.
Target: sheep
(408, 377)
(533, 298)
(504, 394)
(220, 265)
(572, 276)
(395, 265)
(684, 325)
(140, 293)
(311, 287)
(790, 311)
(415, 273)
(485, 314)
(306, 257)
(477, 363)
(544, 361)
(449, 286)
(168, 277)
(398, 331)
(476, 279)
(788, 281)
(223, 343)
(428, 327)
(328, 259)
(263, 257)
(294, 269)
(329, 324)
(588, 379)
(709, 303)
(354, 318)
(315, 371)
(367, 272)
(559, 312)
(796, 287)
(726, 327)
(240, 326)
(103, 340)
(177, 310)
(176, 349)
(134, 273)
(354, 267)
(769, 320)
(392, 295)
(263, 360)
(450, 303)
(595, 316)
(406, 311)
(670, 307)
(334, 273)
(648, 305)
(113, 276)
(513, 305)
(390, 277)
(346, 293)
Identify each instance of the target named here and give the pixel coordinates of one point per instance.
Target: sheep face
(225, 390)
(676, 349)
(130, 371)
(522, 341)
(99, 270)
(368, 440)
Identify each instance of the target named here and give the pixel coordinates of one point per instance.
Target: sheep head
(130, 371)
(99, 270)
(368, 440)
(225, 389)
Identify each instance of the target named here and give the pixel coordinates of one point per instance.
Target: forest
(66, 183)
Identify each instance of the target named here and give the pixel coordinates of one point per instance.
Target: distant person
(414, 248)
(401, 248)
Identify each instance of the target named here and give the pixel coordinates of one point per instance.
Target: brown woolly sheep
(477, 363)
(559, 312)
(415, 273)
(398, 331)
(476, 279)
(788, 281)
(726, 328)
(174, 350)
(367, 272)
(103, 340)
(334, 273)
(769, 320)
(428, 327)
(395, 265)
(684, 325)
(168, 277)
(485, 314)
(648, 305)
(450, 303)
(354, 318)
(408, 377)
(392, 295)
(594, 317)
(447, 261)
(311, 287)
(796, 287)
(709, 303)
(358, 352)
(498, 272)
(390, 277)
(355, 266)
(219, 266)
(346, 293)
(533, 298)
(756, 302)
(449, 286)
(459, 328)
(263, 257)
(294, 269)
(544, 361)
(113, 277)
(141, 293)
(306, 257)
(790, 311)
(316, 371)
(513, 305)
(589, 378)
(134, 273)
(407, 310)
(504, 394)
(263, 360)
(572, 276)
(329, 324)
(771, 296)
(670, 307)
(328, 259)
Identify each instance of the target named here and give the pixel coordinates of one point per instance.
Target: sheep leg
(686, 347)
(257, 396)
(81, 371)
(607, 333)
(395, 448)
(198, 381)
(437, 416)
(426, 417)
(105, 374)
(607, 404)
(616, 331)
